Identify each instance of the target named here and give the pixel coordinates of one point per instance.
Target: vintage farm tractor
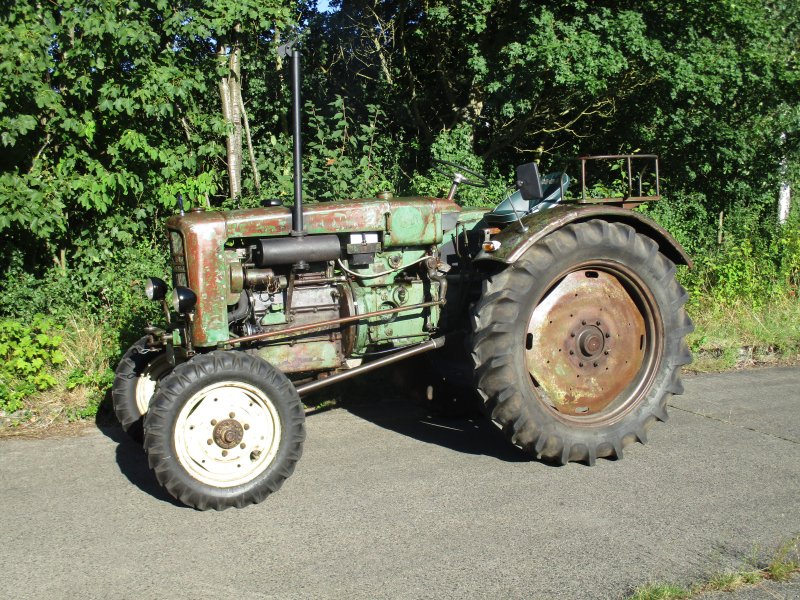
(568, 308)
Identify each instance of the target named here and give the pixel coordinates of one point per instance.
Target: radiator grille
(178, 259)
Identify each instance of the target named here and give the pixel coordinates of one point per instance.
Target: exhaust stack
(291, 50)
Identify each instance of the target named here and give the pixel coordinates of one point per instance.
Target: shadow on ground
(395, 398)
(464, 434)
(132, 463)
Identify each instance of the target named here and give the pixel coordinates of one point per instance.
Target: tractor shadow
(132, 463)
(463, 434)
(130, 456)
(392, 399)
(395, 399)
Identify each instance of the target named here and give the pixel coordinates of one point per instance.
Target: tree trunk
(230, 92)
(250, 151)
(785, 193)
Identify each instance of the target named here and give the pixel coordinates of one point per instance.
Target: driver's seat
(533, 194)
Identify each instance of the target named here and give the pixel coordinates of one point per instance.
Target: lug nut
(571, 335)
(580, 364)
(583, 322)
(224, 453)
(571, 352)
(255, 454)
(213, 422)
(242, 445)
(246, 426)
(233, 414)
(209, 442)
(608, 335)
(595, 364)
(597, 323)
(606, 352)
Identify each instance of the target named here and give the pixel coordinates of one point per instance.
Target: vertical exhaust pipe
(291, 50)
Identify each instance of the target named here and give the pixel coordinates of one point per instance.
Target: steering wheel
(455, 173)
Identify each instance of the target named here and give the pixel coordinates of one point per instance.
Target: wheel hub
(228, 433)
(590, 341)
(586, 343)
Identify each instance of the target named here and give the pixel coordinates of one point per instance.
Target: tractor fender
(514, 241)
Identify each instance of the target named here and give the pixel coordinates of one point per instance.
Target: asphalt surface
(387, 503)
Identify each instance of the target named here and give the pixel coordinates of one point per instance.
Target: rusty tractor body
(569, 310)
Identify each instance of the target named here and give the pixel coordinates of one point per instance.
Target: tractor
(564, 309)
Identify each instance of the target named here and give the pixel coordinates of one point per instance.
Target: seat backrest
(553, 185)
(528, 182)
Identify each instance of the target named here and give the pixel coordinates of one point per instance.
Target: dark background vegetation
(110, 108)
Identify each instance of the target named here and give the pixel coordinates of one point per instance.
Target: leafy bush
(28, 353)
(455, 145)
(757, 262)
(107, 283)
(96, 383)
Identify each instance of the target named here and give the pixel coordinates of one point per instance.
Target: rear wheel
(578, 345)
(224, 429)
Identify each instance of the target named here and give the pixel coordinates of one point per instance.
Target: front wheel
(224, 429)
(578, 345)
(135, 381)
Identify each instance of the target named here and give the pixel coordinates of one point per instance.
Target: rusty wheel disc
(592, 343)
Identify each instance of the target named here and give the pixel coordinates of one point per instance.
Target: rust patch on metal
(585, 342)
(303, 356)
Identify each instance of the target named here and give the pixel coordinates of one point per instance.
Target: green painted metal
(275, 316)
(306, 356)
(390, 262)
(400, 329)
(404, 221)
(412, 224)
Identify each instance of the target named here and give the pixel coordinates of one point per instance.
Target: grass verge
(740, 335)
(781, 565)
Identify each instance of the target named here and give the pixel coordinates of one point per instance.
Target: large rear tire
(224, 429)
(578, 345)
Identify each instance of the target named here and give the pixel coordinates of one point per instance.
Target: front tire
(225, 429)
(135, 381)
(578, 345)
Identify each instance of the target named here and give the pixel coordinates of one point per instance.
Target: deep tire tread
(178, 387)
(123, 392)
(496, 318)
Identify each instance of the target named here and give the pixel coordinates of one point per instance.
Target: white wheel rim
(146, 384)
(199, 446)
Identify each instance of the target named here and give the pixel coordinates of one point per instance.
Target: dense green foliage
(109, 109)
(27, 353)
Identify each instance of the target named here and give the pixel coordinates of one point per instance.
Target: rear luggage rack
(618, 183)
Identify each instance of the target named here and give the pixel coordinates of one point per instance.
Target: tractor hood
(403, 221)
